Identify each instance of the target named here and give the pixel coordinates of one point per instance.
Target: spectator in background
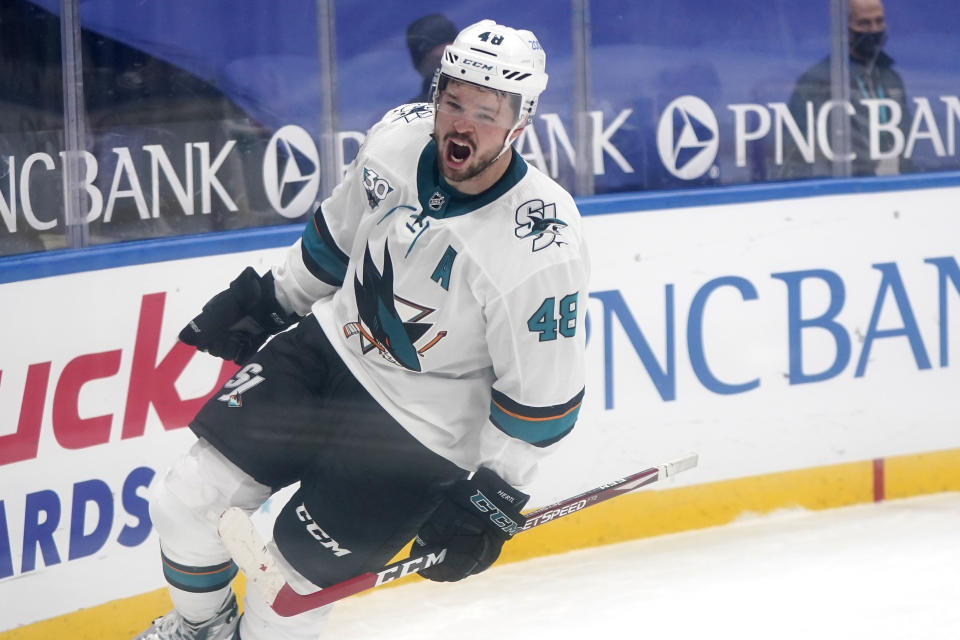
(427, 37)
(871, 76)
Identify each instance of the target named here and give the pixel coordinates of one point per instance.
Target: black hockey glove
(474, 520)
(236, 322)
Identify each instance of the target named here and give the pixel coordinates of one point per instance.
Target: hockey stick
(259, 565)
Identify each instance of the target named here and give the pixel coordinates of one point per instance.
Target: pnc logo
(291, 171)
(687, 137)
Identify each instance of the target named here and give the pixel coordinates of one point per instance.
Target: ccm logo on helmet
(322, 537)
(476, 64)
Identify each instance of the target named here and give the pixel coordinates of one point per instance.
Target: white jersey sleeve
(536, 337)
(316, 264)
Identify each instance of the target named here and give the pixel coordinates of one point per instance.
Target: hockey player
(439, 352)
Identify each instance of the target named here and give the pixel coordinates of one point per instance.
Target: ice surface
(888, 571)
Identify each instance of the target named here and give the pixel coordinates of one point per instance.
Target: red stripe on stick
(289, 603)
(878, 480)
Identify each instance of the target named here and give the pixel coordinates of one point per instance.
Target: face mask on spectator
(867, 44)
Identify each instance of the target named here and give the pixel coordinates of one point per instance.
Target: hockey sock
(199, 607)
(198, 593)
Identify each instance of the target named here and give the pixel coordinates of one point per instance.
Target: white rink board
(893, 408)
(104, 324)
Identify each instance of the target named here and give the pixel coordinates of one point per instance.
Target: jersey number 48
(546, 322)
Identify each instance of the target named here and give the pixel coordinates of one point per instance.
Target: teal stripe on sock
(198, 579)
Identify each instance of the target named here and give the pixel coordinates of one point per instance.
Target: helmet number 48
(494, 38)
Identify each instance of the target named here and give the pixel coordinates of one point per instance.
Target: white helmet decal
(501, 58)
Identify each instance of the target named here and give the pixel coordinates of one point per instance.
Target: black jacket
(878, 80)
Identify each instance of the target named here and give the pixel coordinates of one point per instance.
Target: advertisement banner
(765, 336)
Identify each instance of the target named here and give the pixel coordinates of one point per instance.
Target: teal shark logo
(380, 322)
(539, 221)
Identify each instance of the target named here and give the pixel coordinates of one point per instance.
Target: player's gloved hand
(237, 321)
(474, 520)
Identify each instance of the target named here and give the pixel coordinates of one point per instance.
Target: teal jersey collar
(440, 200)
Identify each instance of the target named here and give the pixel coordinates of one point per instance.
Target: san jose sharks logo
(539, 221)
(388, 323)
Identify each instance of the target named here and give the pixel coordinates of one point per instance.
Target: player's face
(471, 125)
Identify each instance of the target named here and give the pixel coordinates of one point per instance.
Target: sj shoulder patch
(411, 112)
(539, 221)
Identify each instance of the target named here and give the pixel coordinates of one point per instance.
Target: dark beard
(470, 172)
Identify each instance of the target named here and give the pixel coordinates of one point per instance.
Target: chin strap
(507, 142)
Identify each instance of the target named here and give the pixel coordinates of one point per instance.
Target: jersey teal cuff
(540, 426)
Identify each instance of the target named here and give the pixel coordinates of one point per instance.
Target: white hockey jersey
(463, 316)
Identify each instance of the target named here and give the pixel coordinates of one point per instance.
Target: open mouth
(457, 153)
